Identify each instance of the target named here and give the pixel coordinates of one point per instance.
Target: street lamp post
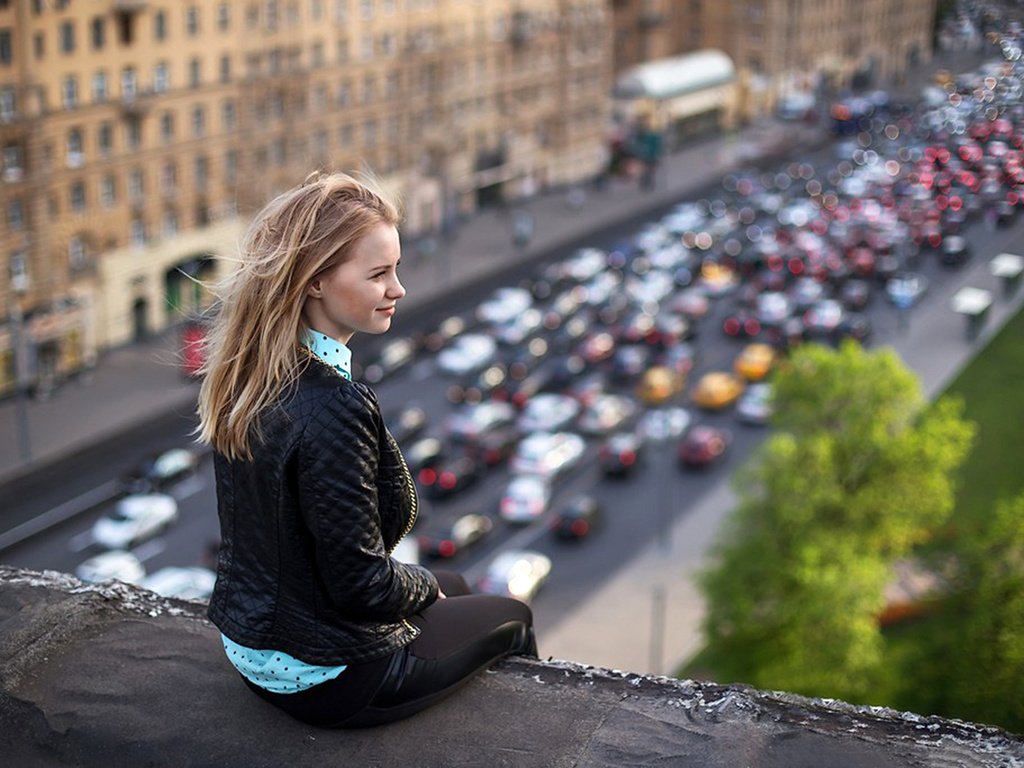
(659, 592)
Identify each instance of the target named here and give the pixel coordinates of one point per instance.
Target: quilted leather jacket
(307, 528)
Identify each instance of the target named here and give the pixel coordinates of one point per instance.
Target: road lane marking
(150, 549)
(59, 514)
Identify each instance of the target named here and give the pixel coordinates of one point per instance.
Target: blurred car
(406, 423)
(503, 305)
(470, 421)
(606, 412)
(547, 453)
(466, 531)
(620, 454)
(494, 445)
(630, 361)
(466, 353)
(182, 582)
(905, 289)
(525, 499)
(518, 573)
(821, 321)
(664, 423)
(393, 356)
(717, 390)
(425, 452)
(478, 385)
(659, 384)
(115, 564)
(955, 251)
(742, 323)
(854, 293)
(547, 411)
(449, 476)
(755, 361)
(162, 470)
(703, 445)
(578, 519)
(135, 518)
(754, 405)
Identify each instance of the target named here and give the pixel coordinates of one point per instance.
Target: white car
(467, 353)
(116, 564)
(607, 412)
(547, 411)
(664, 423)
(525, 499)
(474, 419)
(135, 518)
(754, 405)
(518, 573)
(547, 453)
(182, 582)
(503, 305)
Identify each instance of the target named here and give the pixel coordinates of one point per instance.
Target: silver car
(518, 573)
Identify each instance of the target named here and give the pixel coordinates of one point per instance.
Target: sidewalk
(140, 381)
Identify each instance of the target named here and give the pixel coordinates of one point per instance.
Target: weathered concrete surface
(114, 676)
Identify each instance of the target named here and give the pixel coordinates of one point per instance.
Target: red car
(703, 445)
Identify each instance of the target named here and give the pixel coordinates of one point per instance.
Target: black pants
(459, 636)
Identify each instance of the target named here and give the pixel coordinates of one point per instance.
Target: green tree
(990, 668)
(859, 472)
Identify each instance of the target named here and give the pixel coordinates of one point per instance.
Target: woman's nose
(397, 290)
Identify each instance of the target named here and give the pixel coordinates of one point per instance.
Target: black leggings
(459, 636)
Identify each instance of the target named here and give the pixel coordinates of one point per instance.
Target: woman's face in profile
(359, 294)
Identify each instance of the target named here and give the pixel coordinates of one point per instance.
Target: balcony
(135, 104)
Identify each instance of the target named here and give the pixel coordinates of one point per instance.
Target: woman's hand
(441, 595)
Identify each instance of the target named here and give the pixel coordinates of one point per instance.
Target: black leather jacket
(308, 526)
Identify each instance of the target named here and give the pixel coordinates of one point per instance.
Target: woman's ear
(314, 289)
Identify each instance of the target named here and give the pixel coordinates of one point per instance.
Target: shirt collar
(330, 350)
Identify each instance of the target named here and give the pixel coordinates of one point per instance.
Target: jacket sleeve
(338, 500)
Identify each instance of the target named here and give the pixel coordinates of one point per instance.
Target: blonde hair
(253, 353)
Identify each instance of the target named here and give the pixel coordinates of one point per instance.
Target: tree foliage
(859, 472)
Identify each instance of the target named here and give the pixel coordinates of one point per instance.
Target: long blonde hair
(253, 353)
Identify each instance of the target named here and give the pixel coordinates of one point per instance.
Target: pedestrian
(313, 493)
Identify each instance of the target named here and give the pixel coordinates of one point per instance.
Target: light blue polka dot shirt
(276, 671)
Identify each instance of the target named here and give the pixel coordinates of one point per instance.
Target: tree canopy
(859, 471)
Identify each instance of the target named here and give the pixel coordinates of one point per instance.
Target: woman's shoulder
(319, 389)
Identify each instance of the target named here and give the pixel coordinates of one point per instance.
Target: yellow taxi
(755, 361)
(717, 390)
(659, 384)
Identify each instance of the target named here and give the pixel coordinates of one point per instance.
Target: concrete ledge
(111, 675)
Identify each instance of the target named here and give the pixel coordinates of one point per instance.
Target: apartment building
(138, 136)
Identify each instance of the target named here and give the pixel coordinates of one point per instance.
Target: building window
(105, 139)
(99, 33)
(129, 83)
(198, 122)
(138, 232)
(12, 163)
(192, 21)
(223, 17)
(76, 253)
(202, 172)
(67, 37)
(271, 14)
(136, 185)
(366, 9)
(344, 94)
(316, 9)
(370, 133)
(369, 89)
(19, 271)
(252, 16)
(170, 223)
(75, 156)
(169, 176)
(225, 68)
(161, 77)
(39, 45)
(160, 25)
(318, 54)
(133, 134)
(278, 151)
(231, 166)
(274, 60)
(388, 46)
(167, 127)
(194, 73)
(346, 134)
(108, 191)
(69, 92)
(340, 11)
(320, 145)
(99, 87)
(228, 114)
(366, 48)
(8, 103)
(6, 47)
(78, 197)
(341, 52)
(15, 214)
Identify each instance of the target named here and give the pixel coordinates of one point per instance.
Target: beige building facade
(780, 47)
(138, 136)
